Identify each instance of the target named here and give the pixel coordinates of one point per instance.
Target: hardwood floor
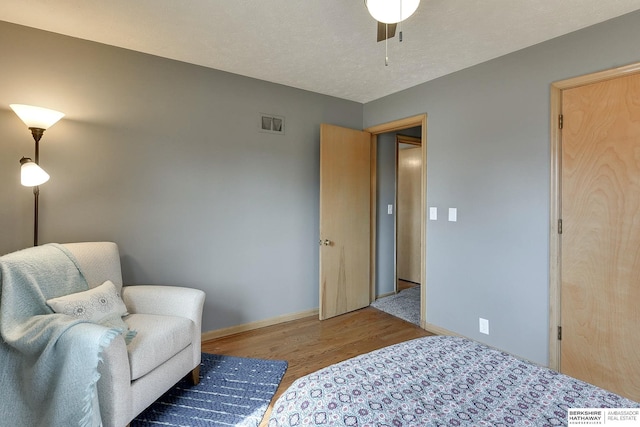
(403, 284)
(309, 344)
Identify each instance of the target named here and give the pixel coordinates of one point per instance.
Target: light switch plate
(390, 209)
(453, 214)
(484, 326)
(433, 213)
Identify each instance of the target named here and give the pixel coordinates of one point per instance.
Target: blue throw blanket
(48, 361)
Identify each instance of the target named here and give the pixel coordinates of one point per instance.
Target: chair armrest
(164, 300)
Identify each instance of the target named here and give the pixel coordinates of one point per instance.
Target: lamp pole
(37, 134)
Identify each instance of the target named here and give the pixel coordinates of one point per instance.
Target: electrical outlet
(484, 326)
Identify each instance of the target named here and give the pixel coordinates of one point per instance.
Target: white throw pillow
(101, 304)
(92, 305)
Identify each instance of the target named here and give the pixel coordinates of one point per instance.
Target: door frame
(393, 126)
(555, 283)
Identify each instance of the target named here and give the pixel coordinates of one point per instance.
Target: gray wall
(488, 156)
(165, 159)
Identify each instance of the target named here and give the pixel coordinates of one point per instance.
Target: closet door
(600, 240)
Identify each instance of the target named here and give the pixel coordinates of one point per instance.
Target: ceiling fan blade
(383, 33)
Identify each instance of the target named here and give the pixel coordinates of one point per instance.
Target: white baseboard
(219, 333)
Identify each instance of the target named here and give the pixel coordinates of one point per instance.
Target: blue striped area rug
(233, 391)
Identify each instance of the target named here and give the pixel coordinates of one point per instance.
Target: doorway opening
(419, 122)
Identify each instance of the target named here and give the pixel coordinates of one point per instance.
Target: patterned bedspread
(437, 381)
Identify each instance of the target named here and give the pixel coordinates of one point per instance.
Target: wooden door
(345, 220)
(600, 240)
(409, 214)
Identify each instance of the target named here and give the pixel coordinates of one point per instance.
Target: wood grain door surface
(345, 218)
(600, 240)
(409, 214)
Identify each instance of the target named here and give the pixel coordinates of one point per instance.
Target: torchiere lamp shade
(36, 117)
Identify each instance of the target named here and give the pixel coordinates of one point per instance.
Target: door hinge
(559, 226)
(559, 333)
(560, 121)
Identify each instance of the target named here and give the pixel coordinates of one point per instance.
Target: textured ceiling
(325, 46)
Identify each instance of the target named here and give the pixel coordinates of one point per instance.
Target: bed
(437, 381)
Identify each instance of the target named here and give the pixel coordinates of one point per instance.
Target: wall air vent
(271, 124)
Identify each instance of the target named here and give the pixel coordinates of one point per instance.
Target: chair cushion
(159, 338)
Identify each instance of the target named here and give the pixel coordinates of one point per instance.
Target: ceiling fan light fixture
(391, 11)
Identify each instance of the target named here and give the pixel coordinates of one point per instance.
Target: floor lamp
(38, 120)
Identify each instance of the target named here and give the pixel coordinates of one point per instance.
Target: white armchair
(167, 345)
